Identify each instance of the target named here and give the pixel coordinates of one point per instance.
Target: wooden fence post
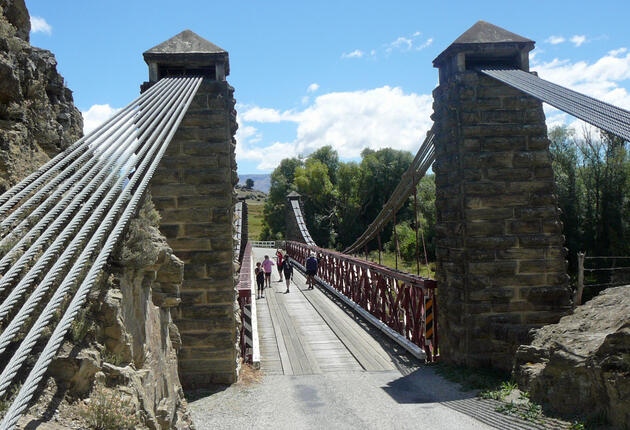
(580, 280)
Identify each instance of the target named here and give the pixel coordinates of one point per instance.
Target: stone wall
(500, 258)
(193, 190)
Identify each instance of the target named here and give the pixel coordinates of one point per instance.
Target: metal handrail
(395, 299)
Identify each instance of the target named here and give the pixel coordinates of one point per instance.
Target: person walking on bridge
(287, 268)
(260, 281)
(266, 264)
(311, 270)
(279, 262)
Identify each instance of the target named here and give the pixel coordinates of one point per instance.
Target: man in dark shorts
(311, 270)
(279, 262)
(287, 268)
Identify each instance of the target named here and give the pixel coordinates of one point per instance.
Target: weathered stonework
(193, 189)
(501, 264)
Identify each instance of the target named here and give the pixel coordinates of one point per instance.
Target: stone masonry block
(194, 215)
(170, 230)
(209, 161)
(493, 268)
(193, 297)
(542, 266)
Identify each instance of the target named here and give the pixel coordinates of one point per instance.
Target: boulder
(581, 365)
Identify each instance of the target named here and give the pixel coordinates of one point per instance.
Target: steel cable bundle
(71, 213)
(596, 112)
(407, 185)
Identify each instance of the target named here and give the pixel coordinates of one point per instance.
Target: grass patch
(389, 259)
(504, 390)
(107, 410)
(527, 411)
(81, 326)
(254, 219)
(248, 375)
(114, 358)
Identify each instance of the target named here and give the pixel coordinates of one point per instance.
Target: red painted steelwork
(245, 296)
(394, 297)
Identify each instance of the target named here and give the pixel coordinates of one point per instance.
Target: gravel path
(364, 400)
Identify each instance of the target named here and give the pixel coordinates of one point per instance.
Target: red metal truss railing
(244, 302)
(396, 298)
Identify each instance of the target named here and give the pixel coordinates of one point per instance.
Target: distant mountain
(261, 182)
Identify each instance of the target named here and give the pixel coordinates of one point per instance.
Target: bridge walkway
(323, 366)
(305, 332)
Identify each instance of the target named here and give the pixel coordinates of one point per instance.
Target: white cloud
(348, 121)
(402, 43)
(312, 88)
(425, 44)
(578, 40)
(554, 40)
(617, 52)
(354, 54)
(258, 114)
(39, 25)
(96, 115)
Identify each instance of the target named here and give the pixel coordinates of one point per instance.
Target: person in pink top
(266, 264)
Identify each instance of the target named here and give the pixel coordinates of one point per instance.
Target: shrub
(107, 410)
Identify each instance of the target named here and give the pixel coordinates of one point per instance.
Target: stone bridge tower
(193, 190)
(501, 261)
(292, 230)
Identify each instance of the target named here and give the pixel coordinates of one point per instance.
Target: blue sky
(306, 74)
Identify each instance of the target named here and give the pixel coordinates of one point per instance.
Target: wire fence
(600, 272)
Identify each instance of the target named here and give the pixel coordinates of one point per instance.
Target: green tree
(318, 194)
(348, 209)
(249, 183)
(330, 158)
(565, 164)
(380, 174)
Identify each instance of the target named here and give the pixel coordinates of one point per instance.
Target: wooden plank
(296, 353)
(303, 353)
(360, 346)
(282, 346)
(363, 347)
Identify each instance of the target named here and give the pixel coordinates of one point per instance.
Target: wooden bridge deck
(305, 332)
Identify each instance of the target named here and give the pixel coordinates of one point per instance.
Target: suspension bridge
(501, 266)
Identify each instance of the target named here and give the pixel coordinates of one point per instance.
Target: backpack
(311, 264)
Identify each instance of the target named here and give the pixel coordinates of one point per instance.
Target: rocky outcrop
(129, 342)
(37, 114)
(581, 365)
